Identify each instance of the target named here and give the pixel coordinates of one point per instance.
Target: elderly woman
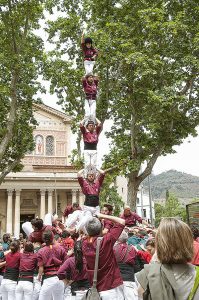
(171, 277)
(126, 256)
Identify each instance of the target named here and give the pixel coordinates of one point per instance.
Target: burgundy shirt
(107, 224)
(131, 219)
(125, 253)
(91, 188)
(28, 262)
(13, 260)
(88, 52)
(90, 89)
(36, 236)
(51, 257)
(69, 210)
(108, 272)
(69, 268)
(91, 137)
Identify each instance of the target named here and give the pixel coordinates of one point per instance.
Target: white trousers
(130, 290)
(73, 218)
(89, 65)
(27, 228)
(87, 215)
(116, 294)
(52, 289)
(24, 290)
(36, 288)
(90, 109)
(8, 289)
(90, 158)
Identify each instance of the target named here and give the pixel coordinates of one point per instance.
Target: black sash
(127, 272)
(11, 273)
(80, 285)
(91, 200)
(90, 146)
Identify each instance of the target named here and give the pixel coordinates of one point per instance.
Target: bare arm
(111, 218)
(98, 121)
(40, 273)
(82, 38)
(80, 173)
(145, 223)
(2, 264)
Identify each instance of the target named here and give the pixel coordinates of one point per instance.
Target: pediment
(44, 112)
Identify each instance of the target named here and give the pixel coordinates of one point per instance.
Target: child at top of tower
(90, 84)
(89, 52)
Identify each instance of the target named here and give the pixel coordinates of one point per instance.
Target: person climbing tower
(90, 85)
(89, 52)
(90, 131)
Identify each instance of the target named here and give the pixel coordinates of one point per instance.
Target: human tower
(90, 127)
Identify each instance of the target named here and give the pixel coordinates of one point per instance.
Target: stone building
(47, 182)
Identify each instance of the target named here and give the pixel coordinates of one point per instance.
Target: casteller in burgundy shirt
(91, 188)
(131, 219)
(68, 267)
(90, 89)
(51, 258)
(108, 276)
(36, 235)
(88, 52)
(90, 138)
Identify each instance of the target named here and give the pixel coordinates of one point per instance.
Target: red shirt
(88, 52)
(195, 260)
(108, 276)
(125, 253)
(131, 219)
(51, 257)
(90, 89)
(13, 260)
(69, 268)
(28, 262)
(145, 255)
(91, 188)
(91, 137)
(67, 243)
(36, 236)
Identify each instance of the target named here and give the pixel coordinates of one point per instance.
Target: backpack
(92, 293)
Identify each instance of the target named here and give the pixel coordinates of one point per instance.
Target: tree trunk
(132, 190)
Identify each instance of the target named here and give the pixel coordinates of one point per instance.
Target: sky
(186, 158)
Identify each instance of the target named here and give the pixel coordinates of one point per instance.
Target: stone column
(17, 214)
(42, 204)
(50, 201)
(81, 198)
(9, 212)
(74, 196)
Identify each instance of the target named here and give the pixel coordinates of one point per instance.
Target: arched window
(50, 145)
(39, 145)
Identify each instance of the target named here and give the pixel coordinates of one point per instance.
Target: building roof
(53, 111)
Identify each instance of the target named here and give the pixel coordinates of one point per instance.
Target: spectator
(109, 280)
(172, 277)
(195, 232)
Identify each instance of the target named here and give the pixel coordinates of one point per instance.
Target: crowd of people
(53, 262)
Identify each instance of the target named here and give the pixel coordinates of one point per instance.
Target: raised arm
(111, 218)
(82, 38)
(80, 173)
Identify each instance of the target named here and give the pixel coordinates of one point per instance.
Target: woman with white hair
(125, 256)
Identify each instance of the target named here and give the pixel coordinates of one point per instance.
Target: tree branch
(149, 166)
(188, 85)
(8, 169)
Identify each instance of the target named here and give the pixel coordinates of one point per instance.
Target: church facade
(47, 182)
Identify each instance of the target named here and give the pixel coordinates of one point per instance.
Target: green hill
(184, 186)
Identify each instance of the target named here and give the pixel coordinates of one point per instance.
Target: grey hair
(93, 227)
(123, 237)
